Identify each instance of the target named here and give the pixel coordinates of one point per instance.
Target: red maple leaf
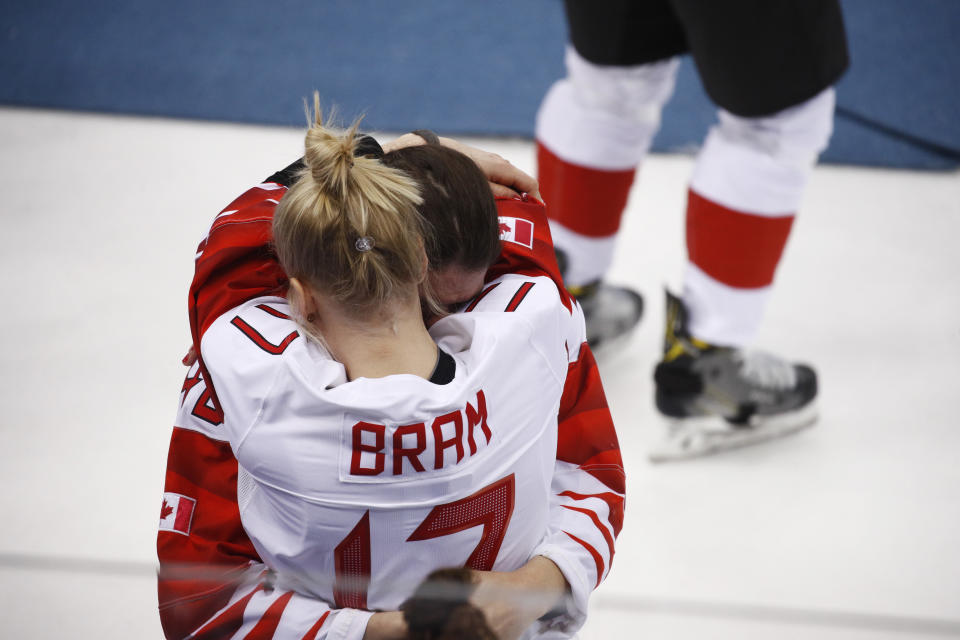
(505, 228)
(165, 510)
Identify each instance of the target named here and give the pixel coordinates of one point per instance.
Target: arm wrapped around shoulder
(440, 609)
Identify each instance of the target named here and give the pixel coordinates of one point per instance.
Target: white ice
(849, 530)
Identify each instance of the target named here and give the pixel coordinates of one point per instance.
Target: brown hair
(349, 227)
(457, 204)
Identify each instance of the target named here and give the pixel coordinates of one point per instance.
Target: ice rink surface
(847, 531)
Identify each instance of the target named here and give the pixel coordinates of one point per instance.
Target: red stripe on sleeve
(315, 629)
(587, 201)
(265, 628)
(483, 294)
(738, 249)
(596, 521)
(260, 341)
(593, 552)
(614, 504)
(273, 312)
(519, 296)
(229, 621)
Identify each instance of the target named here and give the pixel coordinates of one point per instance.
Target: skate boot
(722, 398)
(611, 312)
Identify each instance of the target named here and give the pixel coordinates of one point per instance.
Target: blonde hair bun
(350, 226)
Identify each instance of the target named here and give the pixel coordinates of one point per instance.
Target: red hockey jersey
(350, 492)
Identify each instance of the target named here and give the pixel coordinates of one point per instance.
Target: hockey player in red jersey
(477, 464)
(770, 66)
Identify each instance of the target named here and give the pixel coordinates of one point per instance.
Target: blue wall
(457, 67)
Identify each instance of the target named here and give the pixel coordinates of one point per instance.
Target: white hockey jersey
(383, 480)
(351, 492)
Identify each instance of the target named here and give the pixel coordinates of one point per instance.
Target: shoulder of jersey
(535, 301)
(262, 324)
(249, 344)
(527, 246)
(254, 205)
(518, 293)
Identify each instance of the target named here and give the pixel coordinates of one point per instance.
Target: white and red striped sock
(746, 188)
(584, 206)
(593, 129)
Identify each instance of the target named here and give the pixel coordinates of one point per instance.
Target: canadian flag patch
(517, 230)
(176, 514)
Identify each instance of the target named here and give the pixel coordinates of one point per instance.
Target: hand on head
(506, 181)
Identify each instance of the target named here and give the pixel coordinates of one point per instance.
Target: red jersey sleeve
(235, 262)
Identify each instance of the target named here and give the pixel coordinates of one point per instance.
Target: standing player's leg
(593, 129)
(770, 66)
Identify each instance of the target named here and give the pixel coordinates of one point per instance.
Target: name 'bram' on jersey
(379, 450)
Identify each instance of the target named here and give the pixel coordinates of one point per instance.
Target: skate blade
(698, 437)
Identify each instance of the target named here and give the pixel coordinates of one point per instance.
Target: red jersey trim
(519, 296)
(614, 503)
(226, 623)
(483, 294)
(597, 558)
(596, 521)
(260, 341)
(315, 629)
(265, 628)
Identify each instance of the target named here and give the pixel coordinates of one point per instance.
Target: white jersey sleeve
(587, 486)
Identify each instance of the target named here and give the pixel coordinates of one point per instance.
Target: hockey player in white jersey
(359, 475)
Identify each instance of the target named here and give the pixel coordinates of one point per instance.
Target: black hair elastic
(367, 147)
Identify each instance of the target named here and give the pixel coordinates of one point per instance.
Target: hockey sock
(593, 129)
(746, 187)
(584, 206)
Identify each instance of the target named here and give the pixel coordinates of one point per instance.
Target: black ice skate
(611, 312)
(721, 398)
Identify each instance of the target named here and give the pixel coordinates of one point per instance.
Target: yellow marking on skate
(675, 352)
(700, 344)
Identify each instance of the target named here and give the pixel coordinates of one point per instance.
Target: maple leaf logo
(505, 228)
(165, 510)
